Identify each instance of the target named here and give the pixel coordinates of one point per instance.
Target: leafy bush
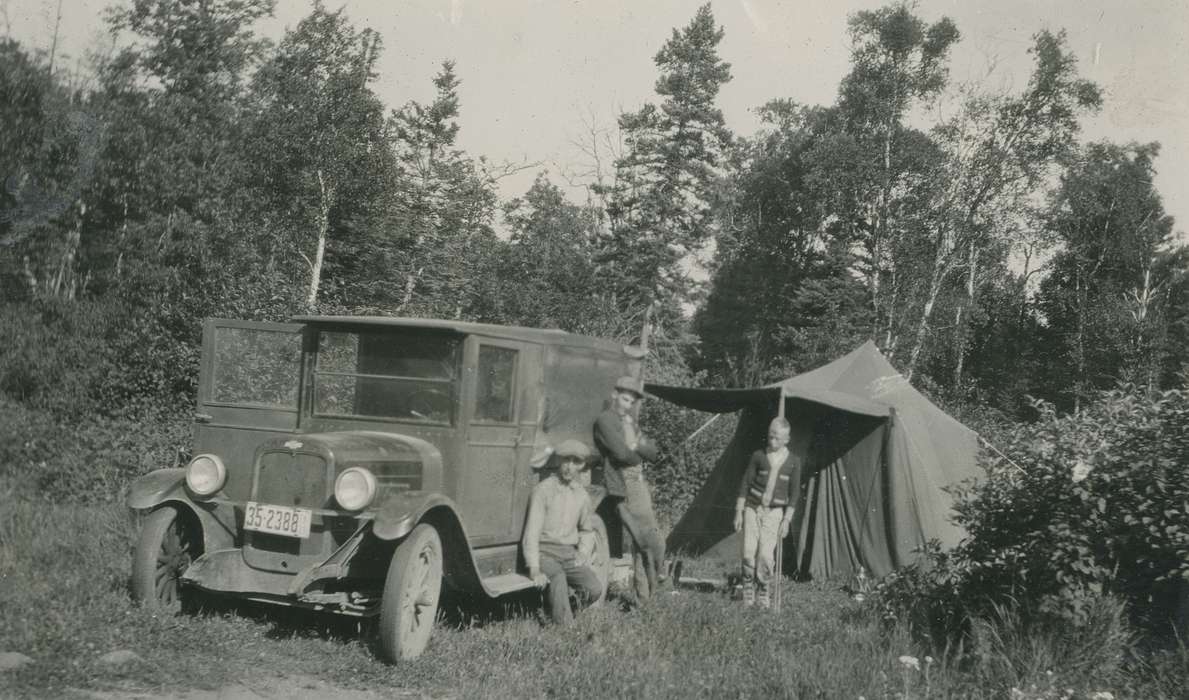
(92, 394)
(87, 460)
(1082, 506)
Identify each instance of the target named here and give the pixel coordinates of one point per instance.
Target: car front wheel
(411, 593)
(168, 543)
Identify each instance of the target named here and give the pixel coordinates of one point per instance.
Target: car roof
(551, 336)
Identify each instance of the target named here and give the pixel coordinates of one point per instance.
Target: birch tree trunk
(326, 197)
(936, 280)
(961, 319)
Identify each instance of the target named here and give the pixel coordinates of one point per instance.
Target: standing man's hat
(630, 384)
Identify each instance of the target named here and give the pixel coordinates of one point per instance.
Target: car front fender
(157, 487)
(215, 518)
(401, 512)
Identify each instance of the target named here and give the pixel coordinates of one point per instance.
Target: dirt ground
(277, 688)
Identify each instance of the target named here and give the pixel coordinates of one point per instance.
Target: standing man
(625, 448)
(559, 537)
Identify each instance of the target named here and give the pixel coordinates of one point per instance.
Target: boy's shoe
(764, 601)
(749, 596)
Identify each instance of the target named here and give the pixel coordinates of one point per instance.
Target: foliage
(545, 276)
(48, 145)
(443, 206)
(660, 205)
(317, 141)
(1107, 299)
(780, 278)
(1089, 505)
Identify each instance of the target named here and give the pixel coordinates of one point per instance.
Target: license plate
(277, 520)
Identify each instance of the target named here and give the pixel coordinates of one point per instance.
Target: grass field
(64, 602)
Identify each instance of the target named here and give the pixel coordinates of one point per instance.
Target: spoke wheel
(602, 557)
(411, 592)
(167, 546)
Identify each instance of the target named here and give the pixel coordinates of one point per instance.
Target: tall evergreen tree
(660, 204)
(443, 205)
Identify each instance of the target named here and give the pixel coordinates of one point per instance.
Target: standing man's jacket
(611, 443)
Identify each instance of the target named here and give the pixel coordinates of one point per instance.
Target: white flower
(929, 659)
(910, 662)
(1102, 695)
(1080, 471)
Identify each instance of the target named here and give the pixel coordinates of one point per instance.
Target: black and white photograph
(516, 349)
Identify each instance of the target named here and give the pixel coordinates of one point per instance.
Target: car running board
(507, 583)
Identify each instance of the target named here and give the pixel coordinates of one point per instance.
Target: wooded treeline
(202, 170)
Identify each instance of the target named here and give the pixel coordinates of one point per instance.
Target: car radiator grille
(294, 480)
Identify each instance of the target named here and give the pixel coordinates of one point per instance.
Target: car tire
(169, 542)
(412, 589)
(602, 558)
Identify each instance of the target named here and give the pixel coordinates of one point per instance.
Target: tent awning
(731, 400)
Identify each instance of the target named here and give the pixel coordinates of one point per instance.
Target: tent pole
(780, 406)
(705, 425)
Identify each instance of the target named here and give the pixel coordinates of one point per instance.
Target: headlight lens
(355, 488)
(205, 475)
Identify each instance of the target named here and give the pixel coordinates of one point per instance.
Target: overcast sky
(536, 72)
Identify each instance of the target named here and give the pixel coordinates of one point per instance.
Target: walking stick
(779, 567)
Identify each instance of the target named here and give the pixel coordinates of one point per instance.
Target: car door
(501, 424)
(249, 384)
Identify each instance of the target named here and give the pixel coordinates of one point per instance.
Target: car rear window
(411, 376)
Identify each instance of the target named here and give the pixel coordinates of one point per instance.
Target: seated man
(559, 534)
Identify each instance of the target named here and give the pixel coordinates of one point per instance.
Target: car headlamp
(355, 488)
(205, 475)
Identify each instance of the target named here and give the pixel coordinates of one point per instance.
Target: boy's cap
(630, 384)
(572, 448)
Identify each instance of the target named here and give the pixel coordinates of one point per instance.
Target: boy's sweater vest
(759, 482)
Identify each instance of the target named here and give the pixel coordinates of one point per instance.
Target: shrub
(84, 460)
(1083, 506)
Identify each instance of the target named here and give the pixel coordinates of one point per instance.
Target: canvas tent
(878, 454)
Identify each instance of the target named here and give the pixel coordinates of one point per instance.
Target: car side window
(496, 385)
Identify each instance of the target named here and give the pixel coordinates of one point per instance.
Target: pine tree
(660, 205)
(442, 206)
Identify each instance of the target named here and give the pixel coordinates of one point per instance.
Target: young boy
(768, 496)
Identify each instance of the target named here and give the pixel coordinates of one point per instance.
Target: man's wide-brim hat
(630, 384)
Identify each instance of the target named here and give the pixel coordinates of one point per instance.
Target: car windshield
(410, 375)
(256, 367)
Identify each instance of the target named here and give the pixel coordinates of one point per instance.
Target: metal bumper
(225, 571)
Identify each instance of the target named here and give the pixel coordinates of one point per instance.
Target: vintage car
(356, 465)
